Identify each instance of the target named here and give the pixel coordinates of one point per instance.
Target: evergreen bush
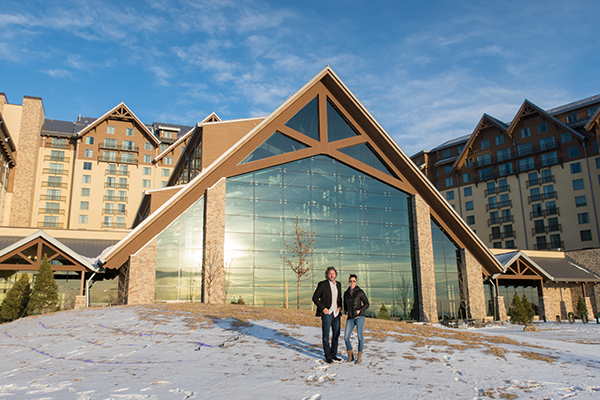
(521, 311)
(44, 296)
(15, 303)
(383, 313)
(581, 307)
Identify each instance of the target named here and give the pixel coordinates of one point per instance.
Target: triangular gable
(528, 108)
(212, 117)
(329, 88)
(594, 121)
(173, 146)
(517, 265)
(306, 121)
(364, 153)
(275, 145)
(120, 111)
(486, 121)
(61, 251)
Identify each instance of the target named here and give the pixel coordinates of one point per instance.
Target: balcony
(118, 225)
(544, 213)
(55, 158)
(496, 206)
(54, 184)
(52, 171)
(540, 181)
(115, 160)
(546, 229)
(501, 220)
(113, 211)
(47, 224)
(542, 196)
(115, 198)
(549, 246)
(502, 235)
(549, 146)
(52, 211)
(116, 172)
(497, 190)
(133, 149)
(116, 185)
(52, 198)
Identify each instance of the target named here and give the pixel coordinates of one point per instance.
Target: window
(147, 171)
(565, 137)
(449, 195)
(526, 164)
(55, 181)
(163, 147)
(541, 128)
(503, 154)
(468, 191)
(459, 149)
(598, 163)
(123, 170)
(89, 140)
(87, 166)
(83, 219)
(595, 146)
(110, 129)
(504, 200)
(578, 184)
(502, 185)
(592, 110)
(169, 160)
(110, 143)
(525, 132)
(111, 181)
(448, 169)
(108, 221)
(446, 153)
(535, 194)
(549, 159)
(505, 169)
(580, 201)
(88, 153)
(466, 177)
(499, 140)
(167, 134)
(576, 168)
(146, 183)
(122, 195)
(524, 149)
(128, 158)
(491, 188)
(85, 192)
(123, 183)
(497, 245)
(121, 209)
(509, 244)
(120, 222)
(147, 146)
(484, 159)
(549, 192)
(571, 118)
(129, 132)
(547, 143)
(59, 143)
(56, 168)
(128, 145)
(109, 155)
(583, 218)
(486, 174)
(485, 144)
(164, 184)
(468, 162)
(586, 235)
(52, 194)
(573, 151)
(165, 172)
(471, 220)
(147, 158)
(110, 195)
(449, 182)
(469, 205)
(84, 205)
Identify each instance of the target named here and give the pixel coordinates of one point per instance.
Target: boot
(358, 358)
(350, 356)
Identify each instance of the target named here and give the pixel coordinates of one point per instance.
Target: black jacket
(322, 296)
(357, 301)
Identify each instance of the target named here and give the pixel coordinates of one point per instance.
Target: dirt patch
(537, 356)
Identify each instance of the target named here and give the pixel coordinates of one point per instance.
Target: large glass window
(446, 261)
(361, 226)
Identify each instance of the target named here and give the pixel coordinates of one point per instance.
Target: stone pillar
(80, 302)
(501, 308)
(596, 299)
(214, 244)
(588, 304)
(421, 219)
(32, 119)
(139, 282)
(472, 275)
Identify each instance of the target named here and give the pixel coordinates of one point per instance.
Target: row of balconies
(545, 229)
(501, 204)
(542, 196)
(57, 158)
(104, 146)
(113, 211)
(537, 164)
(60, 225)
(498, 159)
(501, 220)
(497, 190)
(540, 181)
(114, 160)
(502, 235)
(544, 213)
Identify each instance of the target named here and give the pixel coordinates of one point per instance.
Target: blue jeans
(333, 323)
(359, 322)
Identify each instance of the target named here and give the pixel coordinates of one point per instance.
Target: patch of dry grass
(537, 356)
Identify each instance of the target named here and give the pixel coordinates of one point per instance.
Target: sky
(427, 71)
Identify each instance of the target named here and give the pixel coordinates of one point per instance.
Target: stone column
(501, 308)
(79, 302)
(214, 244)
(588, 304)
(421, 219)
(140, 279)
(472, 276)
(32, 119)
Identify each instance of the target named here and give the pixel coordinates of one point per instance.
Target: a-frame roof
(528, 108)
(120, 111)
(330, 91)
(486, 121)
(593, 121)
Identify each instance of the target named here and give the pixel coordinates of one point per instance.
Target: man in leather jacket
(328, 299)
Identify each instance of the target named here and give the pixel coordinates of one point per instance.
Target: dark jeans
(333, 323)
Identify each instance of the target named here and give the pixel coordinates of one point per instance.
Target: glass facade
(362, 226)
(529, 288)
(446, 260)
(179, 257)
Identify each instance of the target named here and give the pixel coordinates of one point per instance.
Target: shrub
(239, 301)
(15, 303)
(520, 311)
(581, 307)
(44, 297)
(383, 312)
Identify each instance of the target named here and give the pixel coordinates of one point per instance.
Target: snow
(136, 353)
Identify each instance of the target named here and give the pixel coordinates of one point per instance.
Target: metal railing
(116, 172)
(496, 190)
(120, 225)
(51, 211)
(116, 160)
(544, 213)
(549, 246)
(53, 198)
(542, 196)
(540, 181)
(116, 185)
(55, 158)
(46, 224)
(114, 211)
(54, 184)
(502, 235)
(103, 146)
(501, 204)
(52, 171)
(501, 220)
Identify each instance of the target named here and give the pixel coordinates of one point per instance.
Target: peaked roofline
(520, 254)
(107, 114)
(172, 146)
(594, 120)
(463, 155)
(211, 115)
(421, 181)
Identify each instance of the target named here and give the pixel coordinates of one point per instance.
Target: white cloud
(57, 73)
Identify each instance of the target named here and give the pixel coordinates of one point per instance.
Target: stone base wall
(471, 272)
(213, 268)
(140, 280)
(80, 302)
(421, 219)
(501, 308)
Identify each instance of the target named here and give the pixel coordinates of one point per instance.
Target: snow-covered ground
(142, 353)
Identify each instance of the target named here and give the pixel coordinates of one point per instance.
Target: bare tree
(213, 270)
(300, 252)
(229, 280)
(404, 295)
(463, 289)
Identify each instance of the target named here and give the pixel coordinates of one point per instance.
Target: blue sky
(427, 71)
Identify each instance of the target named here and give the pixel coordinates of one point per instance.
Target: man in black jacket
(328, 299)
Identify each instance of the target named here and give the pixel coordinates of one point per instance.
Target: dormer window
(571, 118)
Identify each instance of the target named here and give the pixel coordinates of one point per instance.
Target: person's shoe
(336, 358)
(329, 361)
(350, 356)
(358, 357)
